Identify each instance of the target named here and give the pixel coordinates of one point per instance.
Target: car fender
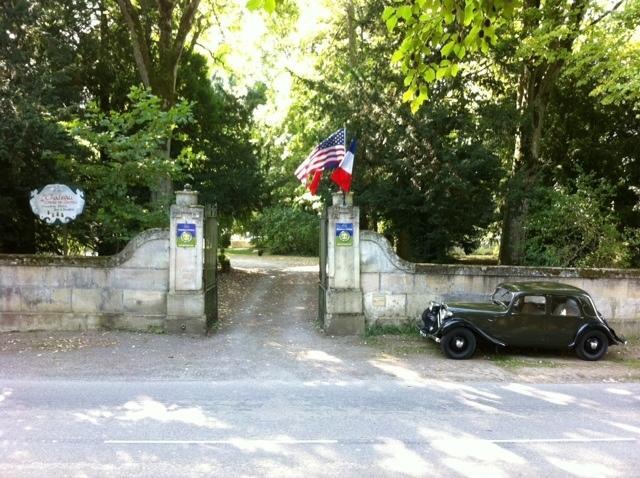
(457, 322)
(601, 327)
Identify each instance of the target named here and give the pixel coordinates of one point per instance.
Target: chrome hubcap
(459, 342)
(593, 344)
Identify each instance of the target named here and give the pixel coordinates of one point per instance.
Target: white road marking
(564, 440)
(278, 441)
(221, 442)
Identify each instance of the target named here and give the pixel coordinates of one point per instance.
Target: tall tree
(40, 79)
(414, 174)
(159, 32)
(439, 37)
(549, 30)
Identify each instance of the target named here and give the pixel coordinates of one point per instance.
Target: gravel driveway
(268, 331)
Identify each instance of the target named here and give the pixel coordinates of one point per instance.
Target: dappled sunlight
(582, 468)
(470, 456)
(468, 389)
(405, 375)
(124, 457)
(551, 397)
(475, 449)
(93, 416)
(6, 393)
(146, 408)
(618, 391)
(317, 356)
(472, 470)
(589, 404)
(482, 407)
(275, 345)
(302, 269)
(20, 455)
(625, 426)
(400, 460)
(473, 397)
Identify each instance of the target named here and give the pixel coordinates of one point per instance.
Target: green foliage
(39, 72)
(28, 144)
(576, 228)
(406, 328)
(607, 58)
(287, 230)
(267, 5)
(123, 163)
(439, 36)
(225, 169)
(414, 175)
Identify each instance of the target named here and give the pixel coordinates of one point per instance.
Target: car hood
(475, 307)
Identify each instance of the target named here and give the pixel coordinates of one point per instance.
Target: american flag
(326, 155)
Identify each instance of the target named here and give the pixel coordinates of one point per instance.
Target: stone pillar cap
(187, 197)
(340, 200)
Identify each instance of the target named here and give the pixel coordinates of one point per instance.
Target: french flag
(344, 172)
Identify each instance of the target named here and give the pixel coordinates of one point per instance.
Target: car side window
(530, 305)
(566, 306)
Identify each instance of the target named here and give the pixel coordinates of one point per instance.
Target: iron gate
(210, 264)
(322, 284)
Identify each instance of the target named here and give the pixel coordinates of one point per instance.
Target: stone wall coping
(529, 272)
(86, 261)
(494, 271)
(387, 250)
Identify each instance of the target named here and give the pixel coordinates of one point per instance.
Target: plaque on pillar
(187, 220)
(344, 234)
(185, 300)
(343, 296)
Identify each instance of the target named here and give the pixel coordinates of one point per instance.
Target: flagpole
(344, 198)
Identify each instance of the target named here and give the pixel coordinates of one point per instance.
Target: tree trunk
(404, 244)
(159, 72)
(532, 102)
(534, 90)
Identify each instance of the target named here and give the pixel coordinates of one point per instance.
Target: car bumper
(427, 335)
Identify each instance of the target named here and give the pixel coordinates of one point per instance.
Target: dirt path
(268, 331)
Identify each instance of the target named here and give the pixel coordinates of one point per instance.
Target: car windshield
(502, 297)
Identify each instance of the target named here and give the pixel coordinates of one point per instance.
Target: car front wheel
(592, 345)
(458, 344)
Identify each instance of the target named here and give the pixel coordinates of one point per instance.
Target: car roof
(540, 287)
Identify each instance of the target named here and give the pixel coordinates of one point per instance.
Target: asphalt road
(269, 395)
(360, 428)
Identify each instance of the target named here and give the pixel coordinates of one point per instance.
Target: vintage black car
(522, 314)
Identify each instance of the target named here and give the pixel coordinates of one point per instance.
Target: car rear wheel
(459, 344)
(592, 345)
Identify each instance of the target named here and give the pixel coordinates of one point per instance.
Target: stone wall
(125, 291)
(396, 291)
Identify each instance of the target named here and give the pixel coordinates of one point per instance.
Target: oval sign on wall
(57, 203)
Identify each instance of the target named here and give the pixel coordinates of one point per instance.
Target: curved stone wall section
(127, 290)
(397, 291)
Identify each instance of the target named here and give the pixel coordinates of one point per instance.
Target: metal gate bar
(211, 264)
(322, 279)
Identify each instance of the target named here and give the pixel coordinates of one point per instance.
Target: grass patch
(241, 251)
(391, 329)
(398, 340)
(213, 326)
(512, 362)
(401, 344)
(156, 329)
(627, 362)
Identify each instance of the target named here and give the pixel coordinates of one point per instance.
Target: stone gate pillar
(185, 300)
(344, 309)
